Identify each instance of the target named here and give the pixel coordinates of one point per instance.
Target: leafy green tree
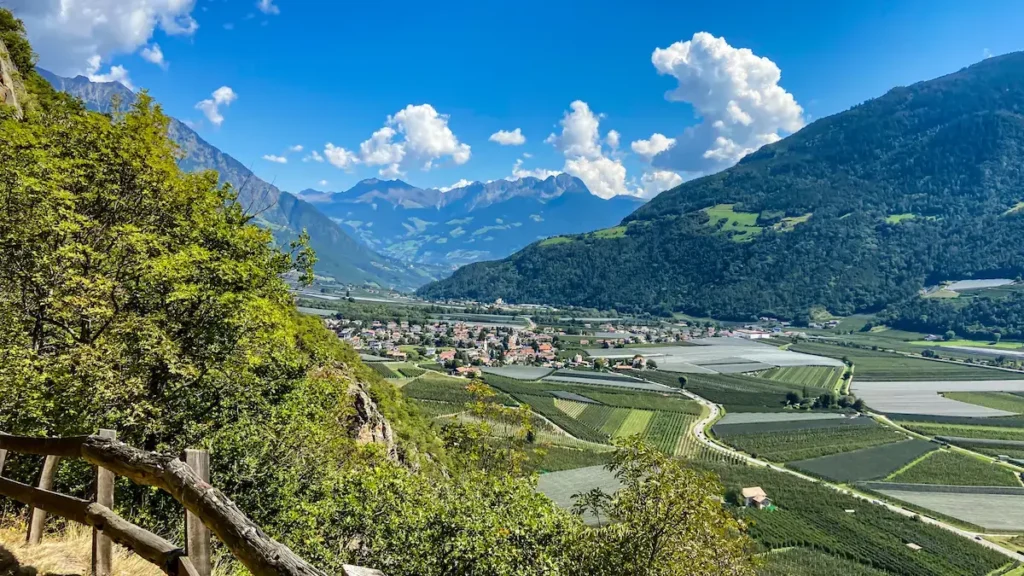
(666, 519)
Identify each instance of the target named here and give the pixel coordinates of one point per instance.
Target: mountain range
(479, 221)
(340, 257)
(852, 213)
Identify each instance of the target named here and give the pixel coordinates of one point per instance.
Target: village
(462, 347)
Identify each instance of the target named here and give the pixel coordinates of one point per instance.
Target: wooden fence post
(197, 535)
(3, 460)
(38, 522)
(101, 545)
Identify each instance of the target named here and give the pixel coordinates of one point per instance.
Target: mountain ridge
(476, 221)
(339, 255)
(851, 213)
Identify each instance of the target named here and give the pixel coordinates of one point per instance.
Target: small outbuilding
(755, 497)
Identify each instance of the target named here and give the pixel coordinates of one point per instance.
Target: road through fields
(714, 410)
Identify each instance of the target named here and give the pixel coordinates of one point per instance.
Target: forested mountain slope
(853, 212)
(340, 256)
(478, 221)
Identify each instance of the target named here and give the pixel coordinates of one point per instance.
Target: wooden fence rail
(260, 553)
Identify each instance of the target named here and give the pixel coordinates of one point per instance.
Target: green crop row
(790, 445)
(956, 469)
(867, 463)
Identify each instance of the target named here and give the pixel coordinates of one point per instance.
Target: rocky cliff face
(10, 86)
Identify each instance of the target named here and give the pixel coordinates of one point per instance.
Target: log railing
(207, 508)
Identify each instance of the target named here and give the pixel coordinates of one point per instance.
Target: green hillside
(855, 211)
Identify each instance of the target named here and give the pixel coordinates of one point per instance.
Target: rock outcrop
(10, 86)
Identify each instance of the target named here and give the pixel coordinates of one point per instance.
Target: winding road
(713, 412)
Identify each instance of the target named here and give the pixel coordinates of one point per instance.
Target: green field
(557, 458)
(433, 409)
(791, 445)
(866, 464)
(813, 516)
(1001, 345)
(440, 388)
(383, 369)
(728, 430)
(741, 393)
(965, 431)
(872, 365)
(815, 376)
(621, 398)
(955, 469)
(996, 400)
(806, 562)
(897, 218)
(741, 226)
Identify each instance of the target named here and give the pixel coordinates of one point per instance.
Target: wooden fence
(207, 509)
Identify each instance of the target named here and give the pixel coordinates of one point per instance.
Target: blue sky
(306, 73)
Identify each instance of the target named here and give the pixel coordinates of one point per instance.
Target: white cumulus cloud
(210, 107)
(657, 144)
(506, 138)
(612, 139)
(338, 157)
(296, 148)
(69, 34)
(154, 55)
(462, 183)
(115, 74)
(314, 156)
(323, 183)
(657, 181)
(519, 172)
(275, 159)
(416, 136)
(737, 96)
(268, 7)
(585, 158)
(579, 136)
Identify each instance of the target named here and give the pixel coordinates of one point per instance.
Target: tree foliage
(138, 297)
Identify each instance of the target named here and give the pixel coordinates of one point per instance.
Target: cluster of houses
(452, 342)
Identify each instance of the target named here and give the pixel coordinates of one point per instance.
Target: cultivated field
(634, 384)
(966, 431)
(925, 397)
(950, 468)
(867, 464)
(871, 365)
(519, 372)
(813, 516)
(718, 355)
(1004, 401)
(806, 562)
(787, 416)
(815, 376)
(804, 444)
(725, 431)
(990, 511)
(740, 393)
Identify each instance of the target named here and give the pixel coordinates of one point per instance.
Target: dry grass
(65, 553)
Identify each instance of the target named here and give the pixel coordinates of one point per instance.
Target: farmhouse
(755, 497)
